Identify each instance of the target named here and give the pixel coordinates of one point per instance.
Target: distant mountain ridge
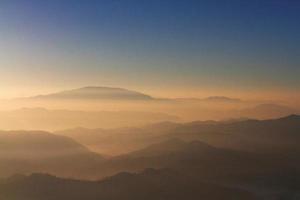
(116, 93)
(265, 111)
(97, 93)
(221, 99)
(215, 107)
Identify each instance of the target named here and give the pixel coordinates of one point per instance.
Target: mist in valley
(242, 150)
(149, 100)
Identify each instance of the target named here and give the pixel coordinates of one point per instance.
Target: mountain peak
(291, 117)
(100, 88)
(221, 99)
(97, 93)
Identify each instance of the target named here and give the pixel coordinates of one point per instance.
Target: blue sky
(145, 45)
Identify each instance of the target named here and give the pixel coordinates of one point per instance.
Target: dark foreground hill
(38, 151)
(148, 185)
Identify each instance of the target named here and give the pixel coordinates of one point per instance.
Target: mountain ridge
(148, 185)
(39, 151)
(96, 93)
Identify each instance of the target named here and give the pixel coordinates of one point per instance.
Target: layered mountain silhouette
(194, 158)
(148, 185)
(210, 160)
(225, 143)
(250, 135)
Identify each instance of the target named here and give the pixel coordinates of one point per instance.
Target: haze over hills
(268, 111)
(239, 155)
(251, 135)
(119, 140)
(278, 136)
(149, 100)
(46, 119)
(235, 134)
(109, 99)
(195, 164)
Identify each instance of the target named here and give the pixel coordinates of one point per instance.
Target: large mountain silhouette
(221, 99)
(112, 93)
(97, 93)
(148, 185)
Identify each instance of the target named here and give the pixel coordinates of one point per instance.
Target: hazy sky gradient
(164, 48)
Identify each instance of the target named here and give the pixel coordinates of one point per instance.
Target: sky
(164, 48)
